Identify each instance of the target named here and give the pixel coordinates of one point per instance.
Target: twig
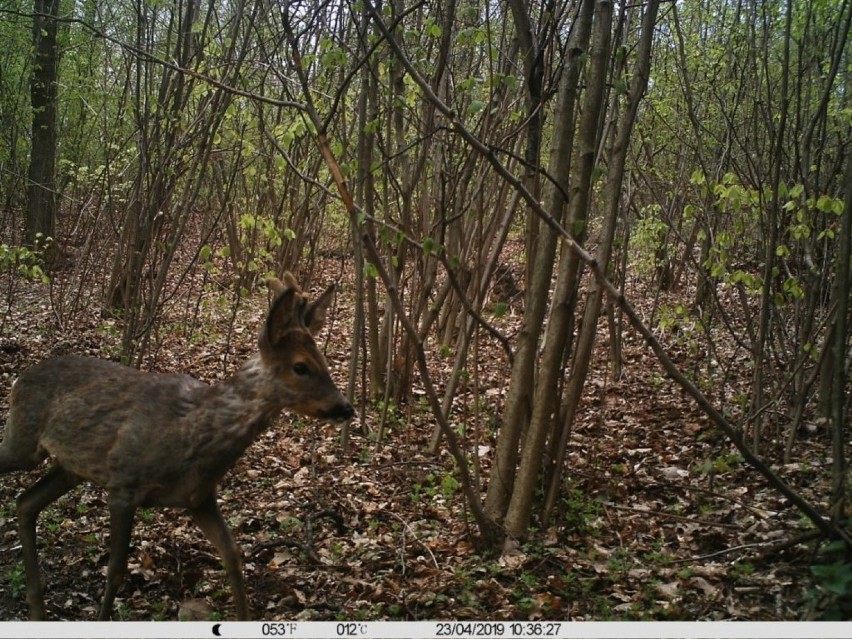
(718, 553)
(821, 521)
(305, 546)
(788, 543)
(284, 541)
(659, 513)
(416, 538)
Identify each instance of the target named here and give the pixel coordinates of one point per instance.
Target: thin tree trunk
(613, 188)
(533, 60)
(764, 326)
(518, 401)
(364, 182)
(841, 337)
(557, 337)
(42, 196)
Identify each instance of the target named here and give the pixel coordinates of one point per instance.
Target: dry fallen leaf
(194, 610)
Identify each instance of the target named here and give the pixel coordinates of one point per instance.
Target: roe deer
(155, 439)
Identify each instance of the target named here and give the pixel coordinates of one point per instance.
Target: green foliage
(833, 583)
(332, 56)
(159, 611)
(579, 511)
(835, 578)
(110, 334)
(741, 569)
(122, 611)
(16, 580)
(734, 245)
(24, 261)
(290, 525)
(646, 241)
(449, 485)
(435, 486)
(15, 116)
(804, 218)
(810, 216)
(675, 318)
(721, 464)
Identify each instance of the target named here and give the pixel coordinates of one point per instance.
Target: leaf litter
(659, 520)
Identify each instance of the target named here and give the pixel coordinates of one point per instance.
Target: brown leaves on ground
(659, 518)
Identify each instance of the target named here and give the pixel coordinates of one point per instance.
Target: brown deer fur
(156, 439)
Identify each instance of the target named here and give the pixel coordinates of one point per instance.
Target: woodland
(592, 267)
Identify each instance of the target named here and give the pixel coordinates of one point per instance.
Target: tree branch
(818, 519)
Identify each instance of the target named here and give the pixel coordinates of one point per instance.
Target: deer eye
(301, 369)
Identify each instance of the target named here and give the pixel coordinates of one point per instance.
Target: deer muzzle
(340, 412)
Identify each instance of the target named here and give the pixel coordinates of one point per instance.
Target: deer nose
(341, 412)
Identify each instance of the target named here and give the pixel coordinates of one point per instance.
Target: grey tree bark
(41, 191)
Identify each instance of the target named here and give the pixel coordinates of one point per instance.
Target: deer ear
(290, 281)
(275, 285)
(314, 316)
(282, 316)
(278, 287)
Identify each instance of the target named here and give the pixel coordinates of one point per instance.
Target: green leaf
(836, 577)
(697, 177)
(467, 84)
(511, 81)
(449, 485)
(825, 203)
(475, 107)
(793, 288)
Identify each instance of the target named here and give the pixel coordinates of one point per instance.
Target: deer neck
(246, 404)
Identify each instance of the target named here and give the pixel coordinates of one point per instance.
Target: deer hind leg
(209, 518)
(121, 514)
(31, 502)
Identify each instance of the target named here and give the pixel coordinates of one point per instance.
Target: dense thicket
(446, 152)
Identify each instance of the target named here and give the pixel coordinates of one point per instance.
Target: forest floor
(660, 519)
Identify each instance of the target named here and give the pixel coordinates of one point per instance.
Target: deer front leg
(121, 514)
(30, 503)
(209, 518)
